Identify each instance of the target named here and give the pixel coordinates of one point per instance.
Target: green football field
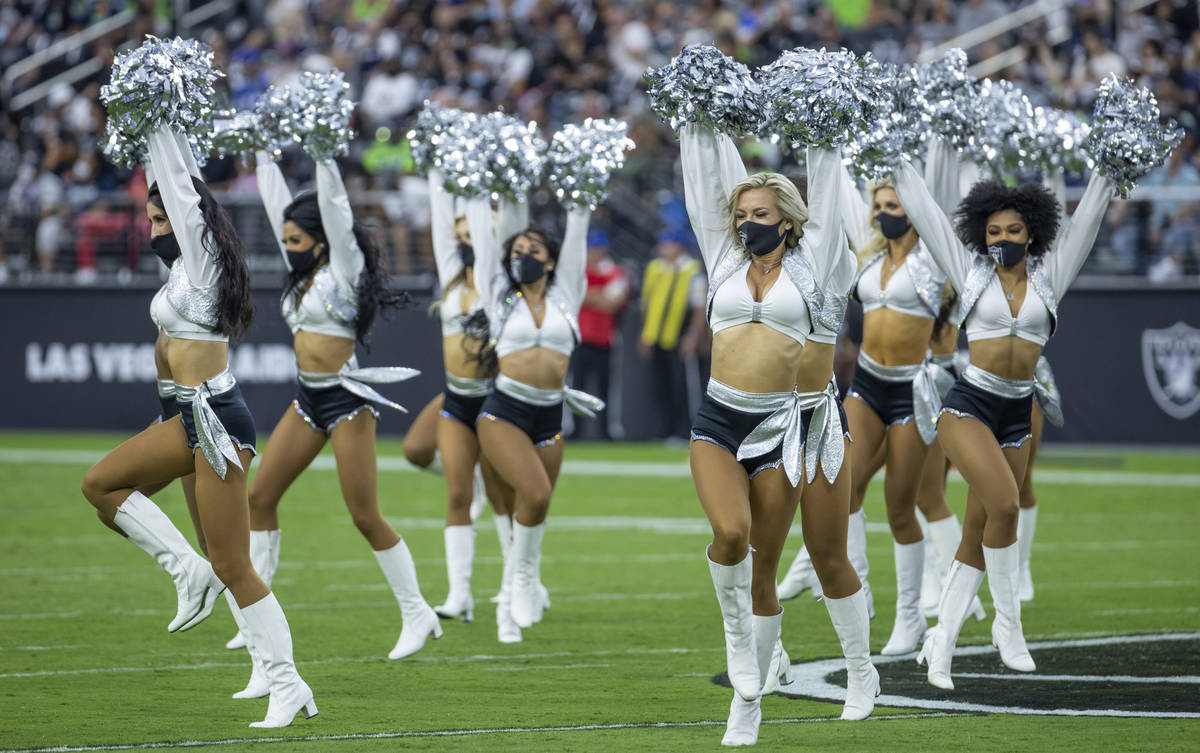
(630, 654)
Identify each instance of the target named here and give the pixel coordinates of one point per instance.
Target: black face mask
(165, 247)
(303, 262)
(760, 239)
(467, 253)
(892, 226)
(526, 269)
(1007, 253)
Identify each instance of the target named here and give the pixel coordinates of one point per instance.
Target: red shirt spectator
(607, 293)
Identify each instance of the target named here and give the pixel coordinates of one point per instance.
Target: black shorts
(231, 409)
(891, 401)
(1008, 418)
(541, 423)
(325, 408)
(170, 408)
(461, 408)
(727, 428)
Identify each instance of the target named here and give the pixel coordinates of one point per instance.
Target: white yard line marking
(1178, 680)
(545, 666)
(25, 456)
(408, 735)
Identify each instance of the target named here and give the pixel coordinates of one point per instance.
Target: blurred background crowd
(70, 217)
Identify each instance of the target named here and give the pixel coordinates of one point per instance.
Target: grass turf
(633, 637)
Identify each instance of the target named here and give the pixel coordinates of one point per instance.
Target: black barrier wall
(1127, 363)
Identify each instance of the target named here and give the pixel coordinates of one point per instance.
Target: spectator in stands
(673, 301)
(599, 326)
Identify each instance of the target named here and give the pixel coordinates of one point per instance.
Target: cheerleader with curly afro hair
(1010, 267)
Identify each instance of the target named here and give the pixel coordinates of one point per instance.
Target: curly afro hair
(1036, 205)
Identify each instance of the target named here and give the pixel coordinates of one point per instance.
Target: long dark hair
(478, 342)
(1036, 205)
(235, 305)
(372, 290)
(943, 316)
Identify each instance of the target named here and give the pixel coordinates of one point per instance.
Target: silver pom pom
(819, 98)
(427, 133)
(495, 155)
(582, 158)
(949, 94)
(1055, 141)
(236, 134)
(162, 82)
(323, 121)
(1003, 116)
(900, 131)
(704, 85)
(1126, 138)
(276, 115)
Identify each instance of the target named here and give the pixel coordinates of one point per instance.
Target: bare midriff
(321, 354)
(755, 358)
(893, 338)
(816, 367)
(456, 358)
(538, 367)
(946, 343)
(193, 361)
(1009, 356)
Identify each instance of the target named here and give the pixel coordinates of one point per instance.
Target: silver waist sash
(945, 360)
(930, 383)
(825, 443)
(1011, 389)
(214, 441)
(578, 401)
(353, 380)
(166, 387)
(468, 387)
(1045, 391)
(784, 424)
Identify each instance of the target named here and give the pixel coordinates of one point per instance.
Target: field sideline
(627, 656)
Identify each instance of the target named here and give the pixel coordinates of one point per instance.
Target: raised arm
(856, 212)
(273, 189)
(824, 237)
(441, 214)
(942, 174)
(182, 204)
(571, 272)
(487, 248)
(710, 171)
(511, 218)
(1063, 262)
(1057, 183)
(337, 219)
(932, 224)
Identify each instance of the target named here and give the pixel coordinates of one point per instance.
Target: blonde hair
(787, 200)
(877, 242)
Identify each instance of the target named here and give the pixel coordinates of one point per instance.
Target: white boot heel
(910, 626)
(938, 650)
(270, 636)
(936, 656)
(732, 584)
(745, 717)
(506, 629)
(1003, 569)
(258, 686)
(526, 551)
(264, 556)
(420, 621)
(853, 627)
(460, 555)
(283, 707)
(417, 629)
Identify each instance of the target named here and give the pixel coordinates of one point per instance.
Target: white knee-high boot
(269, 634)
(460, 554)
(732, 584)
(961, 588)
(800, 577)
(909, 627)
(435, 465)
(479, 499)
(746, 716)
(196, 586)
(931, 576)
(507, 630)
(420, 621)
(1003, 570)
(1026, 527)
(853, 626)
(856, 550)
(264, 556)
(259, 685)
(947, 535)
(525, 552)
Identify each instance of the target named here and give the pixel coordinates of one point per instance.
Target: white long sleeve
(441, 213)
(1056, 182)
(932, 224)
(276, 196)
(942, 174)
(824, 238)
(511, 218)
(571, 271)
(488, 272)
(1078, 235)
(337, 219)
(182, 204)
(856, 211)
(711, 167)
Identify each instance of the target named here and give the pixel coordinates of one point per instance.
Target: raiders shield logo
(1171, 361)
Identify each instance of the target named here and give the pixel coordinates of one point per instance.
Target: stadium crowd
(67, 211)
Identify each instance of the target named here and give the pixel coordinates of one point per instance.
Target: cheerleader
(531, 288)
(334, 288)
(1009, 270)
(768, 258)
(205, 303)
